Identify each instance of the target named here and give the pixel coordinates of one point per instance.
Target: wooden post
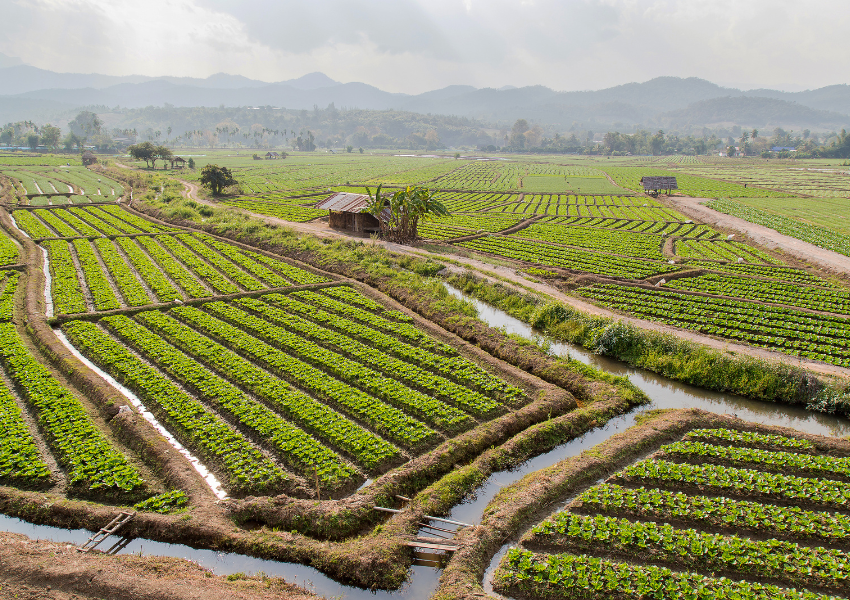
(318, 493)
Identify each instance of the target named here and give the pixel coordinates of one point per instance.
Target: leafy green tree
(517, 139)
(163, 153)
(145, 151)
(349, 149)
(399, 214)
(50, 136)
(216, 178)
(33, 140)
(71, 141)
(191, 163)
(657, 143)
(7, 135)
(361, 149)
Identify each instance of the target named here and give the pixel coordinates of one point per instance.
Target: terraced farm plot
(540, 253)
(788, 330)
(285, 211)
(89, 462)
(689, 185)
(43, 181)
(326, 383)
(623, 243)
(89, 221)
(721, 250)
(774, 292)
(795, 177)
(721, 514)
(149, 269)
(825, 230)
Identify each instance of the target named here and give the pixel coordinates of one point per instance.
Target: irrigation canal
(424, 576)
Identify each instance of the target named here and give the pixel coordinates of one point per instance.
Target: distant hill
(757, 112)
(660, 102)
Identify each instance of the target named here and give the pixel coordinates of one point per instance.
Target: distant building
(272, 155)
(345, 212)
(178, 162)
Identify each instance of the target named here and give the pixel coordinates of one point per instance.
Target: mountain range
(27, 92)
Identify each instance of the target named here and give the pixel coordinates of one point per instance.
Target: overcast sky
(417, 45)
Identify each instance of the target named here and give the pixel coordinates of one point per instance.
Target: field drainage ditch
(423, 578)
(663, 392)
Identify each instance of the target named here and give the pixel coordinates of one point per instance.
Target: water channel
(423, 577)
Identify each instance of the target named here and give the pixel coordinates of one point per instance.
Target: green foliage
(216, 178)
(247, 470)
(742, 481)
(399, 214)
(164, 503)
(787, 330)
(720, 511)
(91, 461)
(593, 578)
(787, 561)
(819, 236)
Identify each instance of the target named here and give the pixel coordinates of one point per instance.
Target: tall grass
(664, 353)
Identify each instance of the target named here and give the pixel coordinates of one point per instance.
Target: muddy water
(423, 576)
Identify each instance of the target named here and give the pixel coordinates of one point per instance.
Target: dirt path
(33, 569)
(501, 273)
(826, 259)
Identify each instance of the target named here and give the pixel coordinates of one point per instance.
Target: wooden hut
(272, 155)
(88, 158)
(655, 184)
(178, 162)
(345, 212)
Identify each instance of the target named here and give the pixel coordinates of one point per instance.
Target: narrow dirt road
(500, 273)
(826, 259)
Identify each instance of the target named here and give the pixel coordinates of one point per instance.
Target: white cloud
(416, 45)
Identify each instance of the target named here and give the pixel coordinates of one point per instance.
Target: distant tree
(517, 138)
(656, 143)
(50, 136)
(163, 153)
(349, 148)
(33, 140)
(730, 151)
(71, 141)
(216, 178)
(191, 163)
(361, 147)
(404, 208)
(457, 155)
(145, 151)
(85, 125)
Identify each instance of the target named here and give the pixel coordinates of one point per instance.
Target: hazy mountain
(754, 111)
(9, 61)
(663, 101)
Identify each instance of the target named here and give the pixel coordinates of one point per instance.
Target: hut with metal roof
(655, 184)
(345, 212)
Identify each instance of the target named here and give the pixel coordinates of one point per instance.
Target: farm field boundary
(518, 506)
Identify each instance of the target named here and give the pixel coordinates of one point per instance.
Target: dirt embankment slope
(765, 236)
(31, 569)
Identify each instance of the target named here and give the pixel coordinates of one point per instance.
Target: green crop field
(720, 514)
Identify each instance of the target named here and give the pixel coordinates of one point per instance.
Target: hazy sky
(417, 45)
